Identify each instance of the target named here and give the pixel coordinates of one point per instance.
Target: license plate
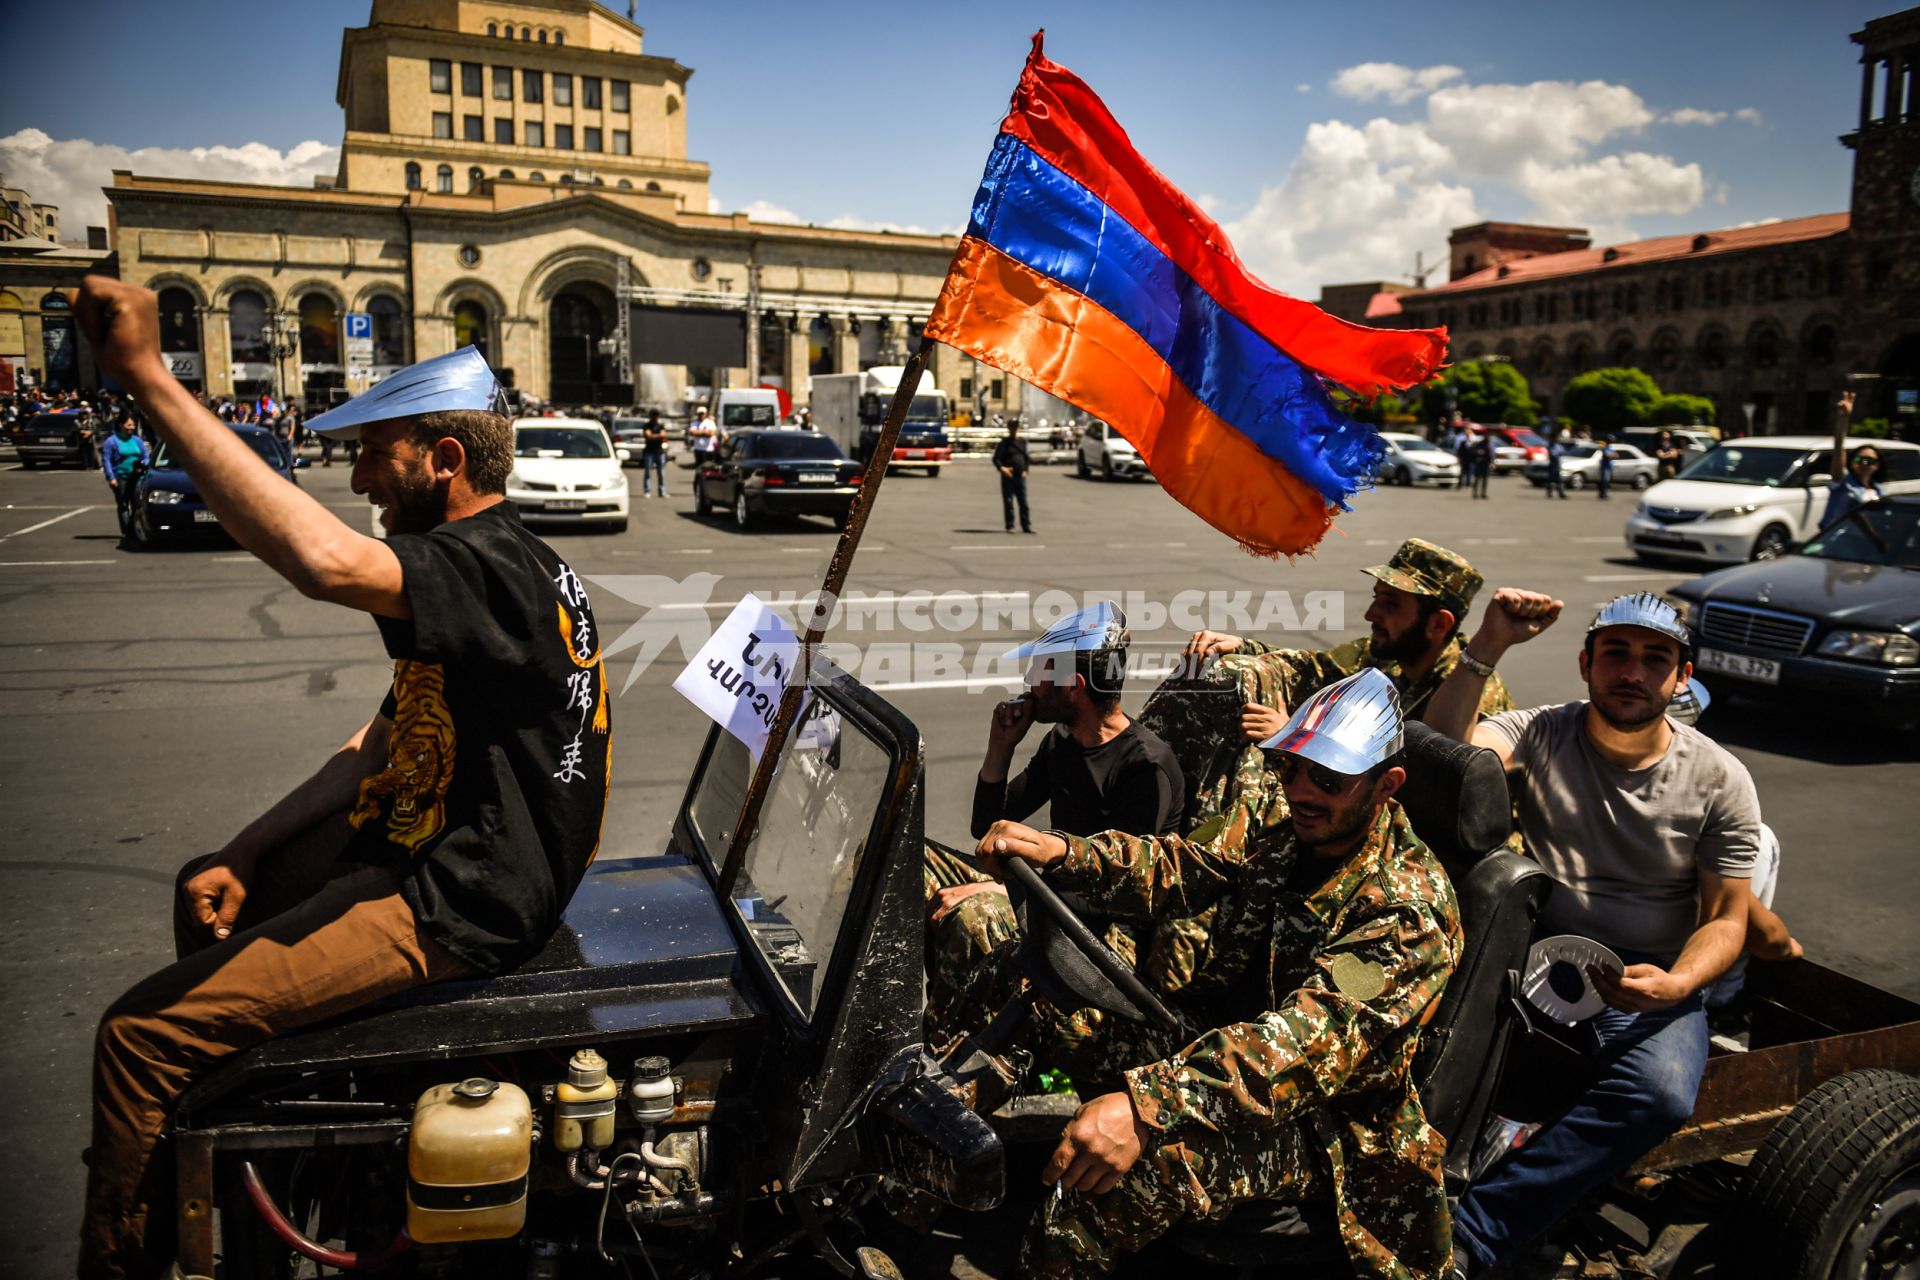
(816, 477)
(1655, 535)
(567, 504)
(53, 439)
(204, 516)
(1764, 670)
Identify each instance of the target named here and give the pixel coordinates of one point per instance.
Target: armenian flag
(1086, 273)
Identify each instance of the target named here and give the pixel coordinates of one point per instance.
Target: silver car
(1111, 455)
(1411, 459)
(1580, 466)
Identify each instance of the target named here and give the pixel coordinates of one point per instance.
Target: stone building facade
(514, 175)
(1779, 317)
(40, 344)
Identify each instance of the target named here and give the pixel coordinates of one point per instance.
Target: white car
(1411, 459)
(1752, 498)
(1580, 466)
(1106, 451)
(565, 471)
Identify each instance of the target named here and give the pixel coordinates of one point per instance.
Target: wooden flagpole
(829, 599)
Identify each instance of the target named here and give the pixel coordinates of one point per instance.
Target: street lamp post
(283, 339)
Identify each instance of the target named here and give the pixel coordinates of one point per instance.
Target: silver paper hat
(1689, 700)
(1098, 626)
(1642, 609)
(458, 380)
(1350, 726)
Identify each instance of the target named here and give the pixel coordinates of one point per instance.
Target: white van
(1750, 499)
(743, 408)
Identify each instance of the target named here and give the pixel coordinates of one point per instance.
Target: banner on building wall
(184, 365)
(700, 337)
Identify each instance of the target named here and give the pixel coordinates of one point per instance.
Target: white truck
(850, 407)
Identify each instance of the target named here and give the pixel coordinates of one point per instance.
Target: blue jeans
(1014, 489)
(1649, 1066)
(653, 466)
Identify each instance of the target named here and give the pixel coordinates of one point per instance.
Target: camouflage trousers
(1203, 1174)
(971, 976)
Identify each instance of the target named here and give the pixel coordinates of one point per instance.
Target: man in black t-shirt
(446, 835)
(1011, 461)
(1097, 770)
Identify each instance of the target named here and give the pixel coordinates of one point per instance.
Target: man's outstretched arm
(303, 542)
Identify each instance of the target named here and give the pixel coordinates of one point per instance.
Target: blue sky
(824, 111)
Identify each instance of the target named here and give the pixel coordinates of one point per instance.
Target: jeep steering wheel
(1067, 961)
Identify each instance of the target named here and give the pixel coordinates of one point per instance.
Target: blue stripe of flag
(1039, 216)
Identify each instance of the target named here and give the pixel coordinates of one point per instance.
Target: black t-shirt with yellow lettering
(496, 782)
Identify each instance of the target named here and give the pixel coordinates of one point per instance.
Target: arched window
(475, 176)
(526, 33)
(444, 179)
(536, 176)
(471, 327)
(559, 37)
(567, 179)
(389, 330)
(319, 330)
(493, 28)
(1823, 344)
(653, 186)
(247, 327)
(1766, 349)
(1713, 350)
(543, 37)
(413, 175)
(507, 174)
(625, 185)
(179, 321)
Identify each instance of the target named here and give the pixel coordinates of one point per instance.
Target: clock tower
(1882, 337)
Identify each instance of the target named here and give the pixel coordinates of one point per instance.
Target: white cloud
(1747, 115)
(1694, 115)
(1390, 80)
(1597, 193)
(849, 222)
(1494, 129)
(1303, 88)
(1356, 205)
(758, 210)
(70, 172)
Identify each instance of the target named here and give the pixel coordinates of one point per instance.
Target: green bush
(1877, 428)
(1485, 391)
(1676, 410)
(1609, 399)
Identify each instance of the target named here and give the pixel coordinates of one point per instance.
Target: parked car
(629, 440)
(777, 472)
(565, 471)
(1104, 450)
(167, 508)
(1752, 498)
(1507, 457)
(1580, 466)
(1411, 459)
(1693, 441)
(1523, 438)
(1835, 623)
(63, 435)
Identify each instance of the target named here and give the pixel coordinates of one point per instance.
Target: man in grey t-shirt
(1650, 831)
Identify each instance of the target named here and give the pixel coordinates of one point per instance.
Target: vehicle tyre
(29, 464)
(1106, 468)
(1834, 1191)
(701, 507)
(1573, 480)
(1081, 468)
(934, 473)
(145, 535)
(841, 518)
(617, 526)
(1403, 476)
(1772, 543)
(1642, 481)
(742, 517)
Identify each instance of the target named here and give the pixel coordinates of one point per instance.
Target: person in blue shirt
(121, 457)
(1556, 452)
(1854, 486)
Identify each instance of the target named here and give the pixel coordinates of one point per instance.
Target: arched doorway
(577, 320)
(389, 333)
(248, 346)
(320, 368)
(59, 344)
(180, 336)
(471, 328)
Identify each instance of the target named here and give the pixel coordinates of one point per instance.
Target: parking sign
(359, 339)
(359, 325)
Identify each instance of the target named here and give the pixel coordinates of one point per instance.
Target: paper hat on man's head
(1350, 726)
(458, 380)
(1099, 626)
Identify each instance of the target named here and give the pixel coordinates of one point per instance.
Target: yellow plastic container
(467, 1159)
(584, 1104)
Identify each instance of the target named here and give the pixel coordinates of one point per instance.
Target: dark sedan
(777, 473)
(166, 506)
(62, 435)
(1837, 621)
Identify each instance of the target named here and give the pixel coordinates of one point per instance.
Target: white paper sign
(741, 671)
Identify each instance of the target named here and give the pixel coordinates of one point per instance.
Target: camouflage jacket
(1320, 986)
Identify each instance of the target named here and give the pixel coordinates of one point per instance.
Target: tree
(1674, 409)
(1608, 399)
(1485, 391)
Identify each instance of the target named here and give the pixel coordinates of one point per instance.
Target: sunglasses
(1329, 782)
(1871, 459)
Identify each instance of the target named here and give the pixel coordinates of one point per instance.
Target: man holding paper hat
(1651, 832)
(1097, 770)
(1290, 1077)
(444, 837)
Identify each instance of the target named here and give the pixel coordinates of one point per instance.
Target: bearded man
(442, 839)
(1650, 830)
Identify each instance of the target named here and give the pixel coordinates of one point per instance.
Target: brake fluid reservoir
(650, 1092)
(583, 1105)
(467, 1158)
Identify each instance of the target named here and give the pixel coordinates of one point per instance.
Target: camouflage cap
(1423, 569)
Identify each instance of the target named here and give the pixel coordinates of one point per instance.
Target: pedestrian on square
(122, 456)
(653, 454)
(1480, 453)
(1668, 455)
(1605, 469)
(1556, 455)
(703, 436)
(1462, 444)
(1011, 461)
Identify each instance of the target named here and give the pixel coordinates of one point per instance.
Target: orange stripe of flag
(1014, 318)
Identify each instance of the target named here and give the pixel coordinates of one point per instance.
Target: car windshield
(796, 444)
(266, 446)
(749, 415)
(928, 409)
(1418, 446)
(1582, 450)
(799, 872)
(1528, 439)
(559, 442)
(1879, 533)
(1737, 464)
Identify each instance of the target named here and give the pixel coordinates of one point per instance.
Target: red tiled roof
(1384, 304)
(1640, 252)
